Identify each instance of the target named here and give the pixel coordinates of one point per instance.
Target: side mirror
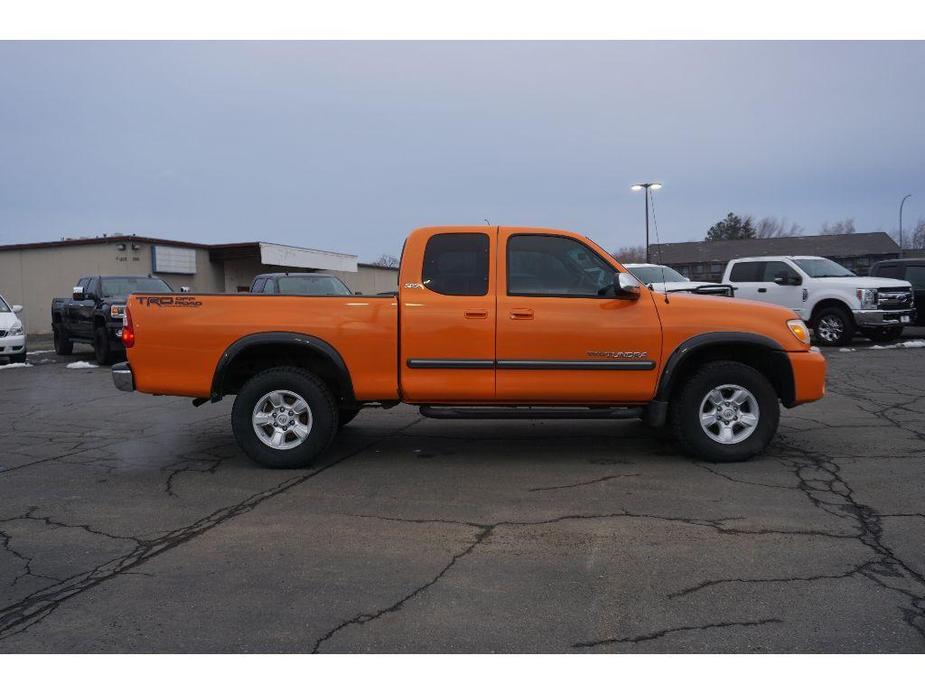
(17, 308)
(626, 286)
(358, 293)
(78, 293)
(796, 280)
(184, 290)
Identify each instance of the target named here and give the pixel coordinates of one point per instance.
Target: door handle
(762, 290)
(521, 314)
(477, 314)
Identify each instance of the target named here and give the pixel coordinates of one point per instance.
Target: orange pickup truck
(488, 322)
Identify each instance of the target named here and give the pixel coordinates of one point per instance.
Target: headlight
(16, 329)
(117, 311)
(799, 330)
(867, 298)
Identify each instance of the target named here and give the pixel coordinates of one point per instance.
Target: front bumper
(875, 318)
(808, 376)
(123, 377)
(11, 345)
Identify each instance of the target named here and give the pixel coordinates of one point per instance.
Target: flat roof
(268, 252)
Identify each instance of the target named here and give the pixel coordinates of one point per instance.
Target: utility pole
(901, 224)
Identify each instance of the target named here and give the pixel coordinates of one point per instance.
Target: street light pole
(645, 187)
(901, 224)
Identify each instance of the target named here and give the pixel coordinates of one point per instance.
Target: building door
(562, 336)
(447, 303)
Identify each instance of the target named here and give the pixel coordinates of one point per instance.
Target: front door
(447, 300)
(562, 335)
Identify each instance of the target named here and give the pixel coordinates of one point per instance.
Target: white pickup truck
(831, 299)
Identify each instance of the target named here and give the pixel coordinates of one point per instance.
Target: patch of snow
(847, 349)
(41, 351)
(17, 365)
(908, 344)
(82, 365)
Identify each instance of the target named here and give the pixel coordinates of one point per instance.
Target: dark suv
(913, 271)
(299, 283)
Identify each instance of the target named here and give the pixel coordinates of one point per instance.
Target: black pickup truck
(93, 313)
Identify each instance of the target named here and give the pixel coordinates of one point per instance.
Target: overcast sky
(347, 146)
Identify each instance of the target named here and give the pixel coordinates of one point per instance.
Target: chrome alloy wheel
(282, 419)
(830, 329)
(729, 414)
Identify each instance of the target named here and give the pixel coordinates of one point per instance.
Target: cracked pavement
(130, 523)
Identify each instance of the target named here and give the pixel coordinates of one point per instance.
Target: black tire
(321, 407)
(101, 348)
(18, 358)
(63, 345)
(833, 327)
(346, 416)
(687, 408)
(883, 335)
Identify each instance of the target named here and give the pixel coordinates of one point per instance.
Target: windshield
(4, 307)
(123, 286)
(822, 267)
(653, 274)
(312, 286)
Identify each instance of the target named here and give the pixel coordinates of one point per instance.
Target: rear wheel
(284, 417)
(881, 335)
(833, 327)
(101, 348)
(63, 345)
(726, 412)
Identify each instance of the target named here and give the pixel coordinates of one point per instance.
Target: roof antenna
(486, 221)
(659, 242)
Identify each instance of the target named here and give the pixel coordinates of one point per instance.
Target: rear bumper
(877, 318)
(123, 377)
(808, 376)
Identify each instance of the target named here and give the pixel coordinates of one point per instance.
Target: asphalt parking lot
(130, 523)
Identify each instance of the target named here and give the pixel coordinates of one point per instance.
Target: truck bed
(180, 338)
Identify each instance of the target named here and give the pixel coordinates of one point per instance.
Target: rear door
(447, 300)
(561, 337)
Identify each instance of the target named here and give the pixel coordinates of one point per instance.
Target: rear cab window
(749, 271)
(456, 264)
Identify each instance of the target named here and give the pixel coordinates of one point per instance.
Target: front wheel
(727, 412)
(833, 327)
(284, 417)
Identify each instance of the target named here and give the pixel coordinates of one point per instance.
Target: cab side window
(258, 285)
(542, 265)
(915, 275)
(776, 268)
(456, 264)
(748, 272)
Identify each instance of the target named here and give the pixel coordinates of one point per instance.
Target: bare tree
(630, 254)
(386, 260)
(772, 227)
(914, 237)
(844, 226)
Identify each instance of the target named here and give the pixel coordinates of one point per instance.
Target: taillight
(128, 329)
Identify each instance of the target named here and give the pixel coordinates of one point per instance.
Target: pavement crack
(665, 632)
(38, 605)
(582, 484)
(482, 534)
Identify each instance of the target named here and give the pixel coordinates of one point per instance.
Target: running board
(530, 412)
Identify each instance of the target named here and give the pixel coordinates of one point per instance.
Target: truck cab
(488, 323)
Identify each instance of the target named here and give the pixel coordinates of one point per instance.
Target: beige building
(32, 274)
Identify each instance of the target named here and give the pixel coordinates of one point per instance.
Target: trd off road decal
(169, 301)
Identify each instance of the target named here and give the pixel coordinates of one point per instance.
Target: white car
(661, 278)
(12, 337)
(832, 300)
